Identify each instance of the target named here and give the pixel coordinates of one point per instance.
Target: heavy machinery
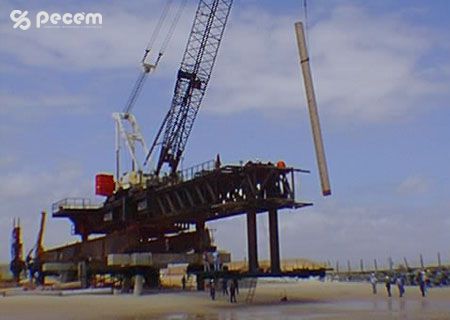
(145, 211)
(17, 265)
(33, 259)
(127, 128)
(155, 217)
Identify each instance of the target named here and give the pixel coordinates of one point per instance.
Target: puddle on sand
(235, 316)
(280, 312)
(385, 309)
(393, 305)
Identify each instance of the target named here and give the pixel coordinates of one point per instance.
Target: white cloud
(414, 185)
(119, 43)
(6, 161)
(369, 66)
(338, 231)
(32, 106)
(366, 67)
(26, 192)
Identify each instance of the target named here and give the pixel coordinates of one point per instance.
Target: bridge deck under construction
(205, 194)
(168, 216)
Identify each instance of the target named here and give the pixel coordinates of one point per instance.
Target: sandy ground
(306, 300)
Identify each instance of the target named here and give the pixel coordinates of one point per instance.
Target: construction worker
(212, 289)
(422, 283)
(236, 285)
(373, 281)
(224, 287)
(387, 282)
(401, 285)
(232, 292)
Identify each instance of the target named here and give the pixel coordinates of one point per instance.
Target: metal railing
(197, 170)
(75, 203)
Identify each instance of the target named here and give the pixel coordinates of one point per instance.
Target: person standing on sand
(387, 282)
(232, 292)
(422, 283)
(224, 287)
(401, 285)
(212, 289)
(183, 282)
(373, 281)
(236, 285)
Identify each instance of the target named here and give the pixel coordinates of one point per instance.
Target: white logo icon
(44, 19)
(20, 19)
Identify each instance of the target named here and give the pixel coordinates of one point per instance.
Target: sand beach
(305, 300)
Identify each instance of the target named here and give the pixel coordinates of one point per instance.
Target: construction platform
(166, 217)
(201, 193)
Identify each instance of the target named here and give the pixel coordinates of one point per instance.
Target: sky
(381, 71)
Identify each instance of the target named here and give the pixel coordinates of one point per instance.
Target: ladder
(251, 290)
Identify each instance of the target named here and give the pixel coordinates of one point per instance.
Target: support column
(202, 237)
(83, 274)
(274, 242)
(252, 241)
(138, 285)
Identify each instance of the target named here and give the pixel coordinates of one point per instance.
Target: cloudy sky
(382, 76)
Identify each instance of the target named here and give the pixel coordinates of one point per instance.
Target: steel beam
(274, 242)
(252, 241)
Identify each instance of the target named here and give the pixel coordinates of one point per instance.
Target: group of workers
(400, 281)
(214, 260)
(233, 284)
(234, 289)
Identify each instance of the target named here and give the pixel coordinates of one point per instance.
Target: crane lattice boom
(192, 80)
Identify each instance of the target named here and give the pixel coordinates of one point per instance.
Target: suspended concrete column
(274, 242)
(252, 241)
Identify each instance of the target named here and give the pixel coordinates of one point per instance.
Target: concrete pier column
(252, 241)
(83, 274)
(138, 285)
(202, 236)
(274, 242)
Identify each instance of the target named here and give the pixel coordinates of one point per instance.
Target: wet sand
(306, 300)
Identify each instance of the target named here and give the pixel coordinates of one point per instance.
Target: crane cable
(305, 17)
(305, 13)
(172, 27)
(159, 25)
(142, 76)
(135, 92)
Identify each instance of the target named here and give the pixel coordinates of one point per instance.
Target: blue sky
(381, 70)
